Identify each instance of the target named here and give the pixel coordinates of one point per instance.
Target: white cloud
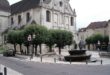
(13, 1)
(90, 11)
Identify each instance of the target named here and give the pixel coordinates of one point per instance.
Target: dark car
(9, 52)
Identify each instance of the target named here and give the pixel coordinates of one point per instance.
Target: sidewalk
(54, 59)
(9, 71)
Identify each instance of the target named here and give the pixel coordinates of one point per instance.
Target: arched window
(28, 17)
(71, 21)
(61, 4)
(48, 16)
(12, 22)
(19, 19)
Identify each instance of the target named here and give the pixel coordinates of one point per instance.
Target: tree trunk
(27, 50)
(59, 50)
(35, 50)
(21, 49)
(50, 48)
(15, 48)
(40, 48)
(32, 49)
(88, 46)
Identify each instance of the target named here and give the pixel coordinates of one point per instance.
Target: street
(34, 68)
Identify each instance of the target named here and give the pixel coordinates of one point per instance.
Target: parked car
(9, 52)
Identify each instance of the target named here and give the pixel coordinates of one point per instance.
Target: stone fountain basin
(77, 58)
(77, 52)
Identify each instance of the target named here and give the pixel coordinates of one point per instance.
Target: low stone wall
(9, 71)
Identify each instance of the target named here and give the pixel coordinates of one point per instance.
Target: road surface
(33, 68)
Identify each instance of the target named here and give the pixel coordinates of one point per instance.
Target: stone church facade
(54, 14)
(4, 17)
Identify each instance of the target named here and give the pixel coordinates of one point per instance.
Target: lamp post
(30, 39)
(99, 47)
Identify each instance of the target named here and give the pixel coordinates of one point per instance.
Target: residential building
(101, 27)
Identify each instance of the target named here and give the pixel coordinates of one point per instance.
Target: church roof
(4, 5)
(23, 6)
(95, 25)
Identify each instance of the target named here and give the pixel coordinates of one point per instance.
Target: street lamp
(98, 46)
(30, 39)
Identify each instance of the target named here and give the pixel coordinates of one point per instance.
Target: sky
(88, 11)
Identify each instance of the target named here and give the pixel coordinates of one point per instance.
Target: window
(27, 17)
(19, 19)
(66, 20)
(60, 4)
(12, 22)
(48, 16)
(55, 19)
(71, 21)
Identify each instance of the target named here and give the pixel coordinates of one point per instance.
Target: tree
(106, 39)
(20, 39)
(50, 40)
(97, 37)
(62, 38)
(88, 41)
(11, 38)
(39, 31)
(29, 30)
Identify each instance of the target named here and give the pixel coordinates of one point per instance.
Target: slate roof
(4, 5)
(82, 30)
(95, 25)
(24, 5)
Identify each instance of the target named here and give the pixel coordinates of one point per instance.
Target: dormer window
(61, 4)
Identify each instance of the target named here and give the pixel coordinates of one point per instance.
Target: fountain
(77, 55)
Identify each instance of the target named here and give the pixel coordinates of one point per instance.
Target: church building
(53, 14)
(4, 17)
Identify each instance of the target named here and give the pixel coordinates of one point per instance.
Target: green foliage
(20, 37)
(97, 37)
(106, 39)
(12, 37)
(62, 38)
(40, 34)
(88, 40)
(39, 31)
(50, 39)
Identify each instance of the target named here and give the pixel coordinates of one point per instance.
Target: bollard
(101, 62)
(1, 73)
(5, 71)
(70, 61)
(41, 58)
(86, 62)
(54, 60)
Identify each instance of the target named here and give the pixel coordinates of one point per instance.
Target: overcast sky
(88, 11)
